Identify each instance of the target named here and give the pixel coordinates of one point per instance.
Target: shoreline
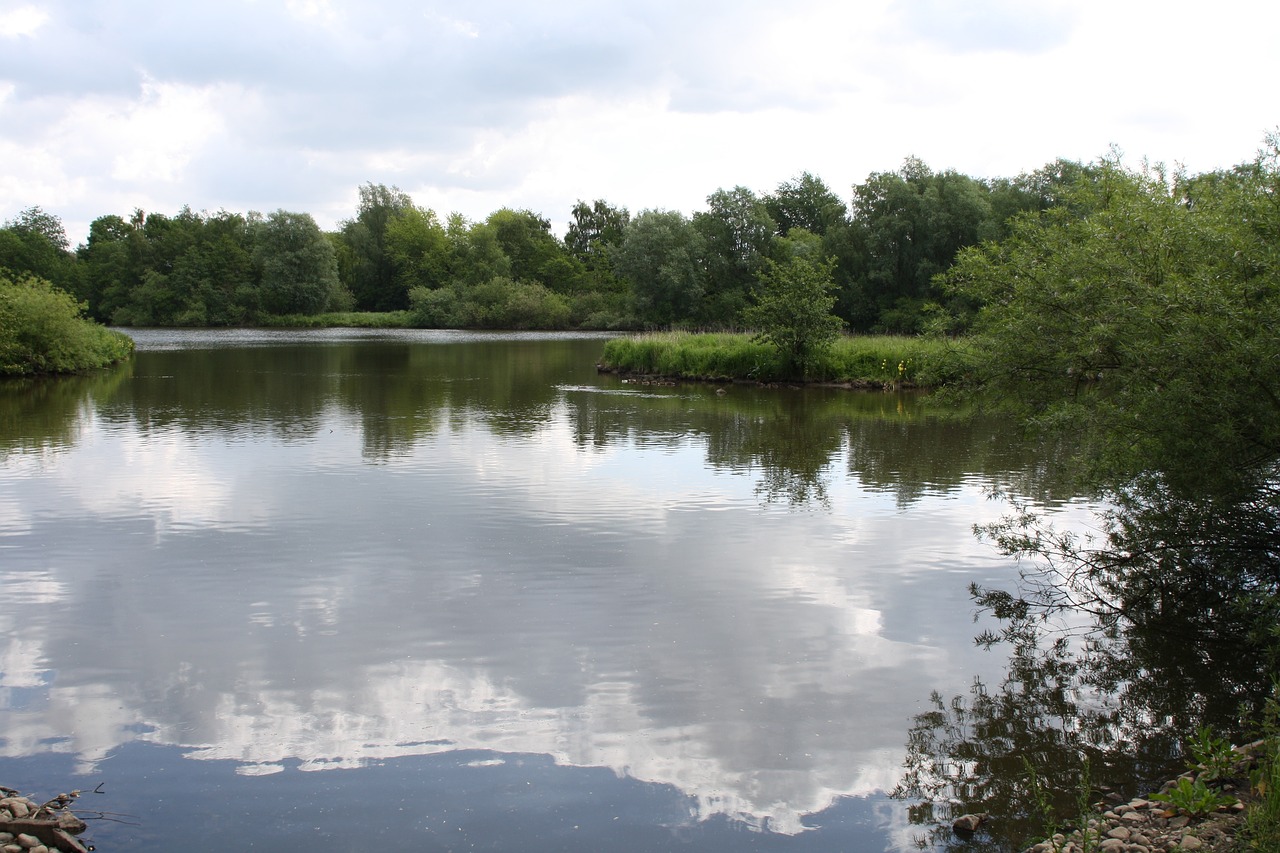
(27, 826)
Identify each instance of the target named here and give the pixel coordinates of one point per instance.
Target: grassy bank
(340, 319)
(870, 360)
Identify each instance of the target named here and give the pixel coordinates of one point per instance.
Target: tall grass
(874, 360)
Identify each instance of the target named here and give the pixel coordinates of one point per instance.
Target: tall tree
(914, 221)
(1140, 315)
(738, 233)
(661, 255)
(419, 249)
(370, 267)
(594, 230)
(535, 253)
(35, 242)
(299, 270)
(805, 202)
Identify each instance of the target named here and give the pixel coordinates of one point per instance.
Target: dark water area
(344, 590)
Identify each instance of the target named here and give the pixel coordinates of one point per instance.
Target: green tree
(594, 230)
(43, 330)
(805, 202)
(535, 253)
(738, 234)
(478, 255)
(299, 270)
(914, 222)
(368, 266)
(1140, 315)
(661, 256)
(419, 249)
(792, 309)
(35, 242)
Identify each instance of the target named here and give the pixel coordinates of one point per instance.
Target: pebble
(1142, 825)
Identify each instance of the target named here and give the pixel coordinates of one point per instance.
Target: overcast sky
(264, 104)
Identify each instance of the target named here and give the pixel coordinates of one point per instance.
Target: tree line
(611, 270)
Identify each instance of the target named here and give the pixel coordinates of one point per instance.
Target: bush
(43, 330)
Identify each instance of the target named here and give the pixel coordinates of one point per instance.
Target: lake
(356, 590)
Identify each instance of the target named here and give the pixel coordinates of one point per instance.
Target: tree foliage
(1141, 315)
(792, 309)
(299, 270)
(43, 330)
(661, 256)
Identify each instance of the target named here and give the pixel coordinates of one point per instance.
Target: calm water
(432, 591)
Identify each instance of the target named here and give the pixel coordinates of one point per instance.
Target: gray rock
(968, 822)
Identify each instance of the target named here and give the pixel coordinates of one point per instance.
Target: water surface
(434, 591)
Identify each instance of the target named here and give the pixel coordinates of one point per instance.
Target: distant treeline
(612, 270)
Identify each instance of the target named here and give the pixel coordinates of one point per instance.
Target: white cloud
(260, 106)
(23, 21)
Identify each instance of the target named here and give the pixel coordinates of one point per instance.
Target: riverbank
(861, 361)
(1229, 807)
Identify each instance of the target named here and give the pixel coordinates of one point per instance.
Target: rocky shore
(27, 826)
(1157, 823)
(1144, 826)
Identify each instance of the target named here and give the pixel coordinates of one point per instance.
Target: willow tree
(1142, 316)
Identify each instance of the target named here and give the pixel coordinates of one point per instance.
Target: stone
(1179, 822)
(1112, 845)
(1190, 842)
(12, 847)
(27, 841)
(1121, 832)
(19, 809)
(968, 822)
(70, 823)
(1133, 817)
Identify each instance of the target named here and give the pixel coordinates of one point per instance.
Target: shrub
(43, 330)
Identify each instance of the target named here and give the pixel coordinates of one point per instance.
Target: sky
(107, 106)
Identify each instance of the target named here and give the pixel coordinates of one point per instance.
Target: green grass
(1262, 820)
(876, 360)
(340, 319)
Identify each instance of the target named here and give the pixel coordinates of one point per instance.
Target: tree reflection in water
(1107, 705)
